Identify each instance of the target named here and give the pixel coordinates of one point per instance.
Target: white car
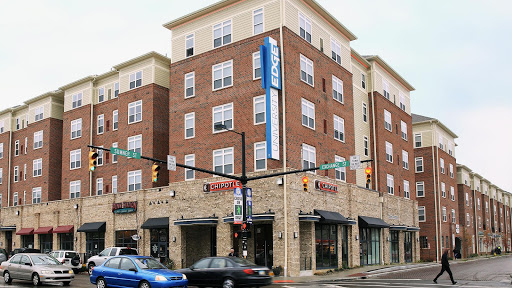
(107, 253)
(68, 258)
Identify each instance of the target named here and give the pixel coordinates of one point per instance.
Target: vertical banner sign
(248, 197)
(271, 82)
(237, 207)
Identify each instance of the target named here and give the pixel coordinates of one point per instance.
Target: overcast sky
(453, 52)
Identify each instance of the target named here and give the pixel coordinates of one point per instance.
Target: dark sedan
(227, 272)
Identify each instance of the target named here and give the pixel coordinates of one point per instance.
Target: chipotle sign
(324, 186)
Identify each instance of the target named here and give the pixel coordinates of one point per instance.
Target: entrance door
(458, 247)
(159, 243)
(264, 245)
(344, 246)
(408, 246)
(8, 239)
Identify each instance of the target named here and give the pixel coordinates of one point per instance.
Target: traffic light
(155, 168)
(305, 182)
(368, 172)
(92, 160)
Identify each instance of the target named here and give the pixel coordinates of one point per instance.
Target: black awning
(197, 221)
(156, 223)
(372, 222)
(331, 217)
(92, 227)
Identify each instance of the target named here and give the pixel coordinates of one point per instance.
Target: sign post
(248, 199)
(237, 206)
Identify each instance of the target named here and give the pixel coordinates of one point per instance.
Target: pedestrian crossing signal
(305, 182)
(155, 168)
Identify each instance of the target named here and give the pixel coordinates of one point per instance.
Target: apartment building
(466, 189)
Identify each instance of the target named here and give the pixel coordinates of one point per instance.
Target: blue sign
(248, 195)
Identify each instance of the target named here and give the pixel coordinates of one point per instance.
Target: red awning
(44, 230)
(64, 229)
(25, 231)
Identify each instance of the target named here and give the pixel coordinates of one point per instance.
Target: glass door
(408, 246)
(263, 245)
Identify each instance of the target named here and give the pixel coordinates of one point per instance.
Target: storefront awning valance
(197, 221)
(410, 228)
(92, 227)
(8, 228)
(25, 231)
(64, 229)
(44, 230)
(255, 218)
(331, 217)
(309, 217)
(372, 222)
(398, 227)
(156, 223)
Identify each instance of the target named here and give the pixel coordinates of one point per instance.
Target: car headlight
(160, 278)
(184, 276)
(46, 272)
(70, 272)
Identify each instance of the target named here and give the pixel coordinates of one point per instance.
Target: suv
(24, 250)
(69, 258)
(105, 254)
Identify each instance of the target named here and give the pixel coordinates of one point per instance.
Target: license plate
(261, 272)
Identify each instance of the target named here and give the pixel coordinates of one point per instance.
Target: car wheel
(36, 280)
(7, 277)
(144, 284)
(228, 283)
(100, 283)
(89, 268)
(66, 283)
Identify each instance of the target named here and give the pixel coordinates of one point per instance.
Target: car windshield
(242, 261)
(149, 263)
(44, 260)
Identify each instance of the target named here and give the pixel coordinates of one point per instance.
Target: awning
(197, 221)
(410, 228)
(25, 231)
(331, 217)
(398, 227)
(255, 218)
(8, 228)
(44, 230)
(64, 229)
(156, 223)
(308, 217)
(92, 227)
(372, 222)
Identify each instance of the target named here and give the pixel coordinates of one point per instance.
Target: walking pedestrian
(445, 266)
(232, 253)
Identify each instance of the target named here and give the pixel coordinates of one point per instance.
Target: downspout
(91, 130)
(375, 158)
(476, 222)
(10, 163)
(438, 230)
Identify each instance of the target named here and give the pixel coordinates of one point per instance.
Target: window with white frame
(257, 17)
(259, 109)
(37, 167)
(308, 114)
(467, 202)
(454, 218)
(308, 156)
(340, 173)
(385, 88)
(256, 66)
(402, 101)
(190, 84)
(16, 173)
(26, 145)
(223, 114)
(306, 70)
(336, 51)
(389, 152)
(17, 148)
(222, 75)
(406, 189)
(405, 159)
(101, 124)
(420, 189)
(189, 45)
(305, 27)
(36, 195)
(24, 171)
(478, 203)
(135, 143)
(403, 126)
(115, 120)
(1, 150)
(2, 126)
(390, 184)
(223, 160)
(365, 113)
(76, 128)
(114, 184)
(15, 199)
(1, 176)
(467, 219)
(99, 186)
(441, 164)
(222, 34)
(190, 124)
(76, 100)
(419, 164)
(387, 120)
(452, 193)
(101, 94)
(441, 140)
(136, 79)
(114, 156)
(479, 222)
(443, 189)
(337, 89)
(190, 160)
(421, 213)
(451, 170)
(134, 180)
(116, 89)
(38, 139)
(450, 149)
(486, 207)
(366, 146)
(38, 114)
(75, 159)
(135, 112)
(363, 81)
(260, 156)
(99, 159)
(417, 140)
(339, 128)
(445, 218)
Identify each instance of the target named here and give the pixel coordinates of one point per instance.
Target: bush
(277, 270)
(169, 263)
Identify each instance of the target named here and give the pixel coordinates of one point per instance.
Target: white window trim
(309, 105)
(253, 67)
(134, 139)
(192, 157)
(133, 174)
(99, 183)
(224, 108)
(338, 82)
(221, 23)
(224, 150)
(262, 21)
(390, 146)
(114, 156)
(309, 149)
(416, 166)
(104, 98)
(306, 21)
(230, 63)
(101, 118)
(422, 184)
(365, 112)
(366, 147)
(193, 44)
(407, 192)
(341, 122)
(188, 116)
(114, 187)
(115, 113)
(38, 193)
(37, 114)
(342, 170)
(386, 114)
(264, 145)
(421, 140)
(405, 156)
(35, 167)
(257, 100)
(402, 125)
(74, 152)
(390, 179)
(337, 45)
(307, 61)
(445, 216)
(187, 77)
(134, 104)
(38, 134)
(135, 77)
(76, 122)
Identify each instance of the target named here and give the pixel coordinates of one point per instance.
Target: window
(390, 184)
(417, 140)
(419, 164)
(114, 156)
(99, 159)
(308, 114)
(444, 215)
(136, 79)
(423, 242)
(337, 89)
(467, 202)
(259, 110)
(190, 160)
(406, 189)
(480, 222)
(2, 126)
(452, 193)
(441, 163)
(135, 112)
(366, 147)
(115, 120)
(405, 159)
(223, 160)
(1, 150)
(256, 66)
(365, 113)
(75, 159)
(340, 173)
(76, 128)
(451, 170)
(135, 143)
(223, 114)
(101, 95)
(114, 184)
(385, 88)
(36, 195)
(24, 171)
(134, 180)
(1, 178)
(17, 148)
(402, 101)
(339, 128)
(116, 89)
(222, 34)
(363, 81)
(260, 153)
(38, 114)
(478, 203)
(443, 190)
(77, 100)
(38, 139)
(306, 70)
(454, 218)
(336, 51)
(37, 167)
(190, 125)
(26, 145)
(467, 219)
(403, 125)
(16, 173)
(486, 207)
(308, 156)
(387, 120)
(222, 75)
(189, 84)
(15, 199)
(450, 149)
(420, 189)
(99, 186)
(305, 27)
(389, 152)
(101, 123)
(189, 45)
(257, 17)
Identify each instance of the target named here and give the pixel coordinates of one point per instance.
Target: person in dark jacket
(445, 266)
(232, 253)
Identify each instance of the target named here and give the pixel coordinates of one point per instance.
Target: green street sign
(126, 153)
(335, 165)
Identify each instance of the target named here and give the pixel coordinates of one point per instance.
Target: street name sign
(171, 163)
(237, 206)
(126, 153)
(334, 165)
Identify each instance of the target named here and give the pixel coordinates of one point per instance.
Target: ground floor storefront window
(408, 246)
(94, 243)
(395, 239)
(124, 238)
(46, 243)
(369, 246)
(326, 240)
(27, 241)
(66, 241)
(344, 246)
(159, 243)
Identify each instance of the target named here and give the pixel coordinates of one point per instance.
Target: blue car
(136, 271)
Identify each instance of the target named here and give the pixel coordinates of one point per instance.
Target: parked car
(3, 255)
(24, 250)
(227, 272)
(136, 271)
(105, 254)
(36, 267)
(69, 258)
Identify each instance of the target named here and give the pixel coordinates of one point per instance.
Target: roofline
(359, 58)
(140, 58)
(464, 167)
(7, 110)
(78, 82)
(106, 74)
(19, 107)
(392, 71)
(55, 93)
(434, 120)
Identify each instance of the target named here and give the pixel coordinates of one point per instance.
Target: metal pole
(244, 199)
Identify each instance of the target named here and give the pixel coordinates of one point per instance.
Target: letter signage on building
(124, 207)
(271, 82)
(221, 186)
(324, 186)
